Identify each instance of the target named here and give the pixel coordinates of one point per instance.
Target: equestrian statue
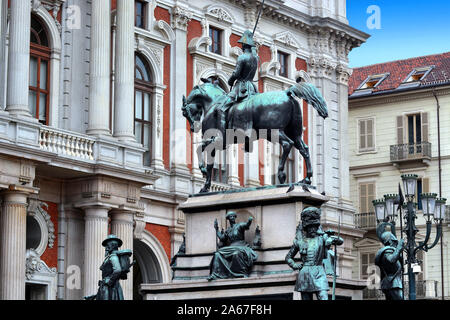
(244, 115)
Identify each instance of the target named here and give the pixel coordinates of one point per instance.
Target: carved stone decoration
(287, 38)
(158, 116)
(33, 264)
(343, 74)
(139, 225)
(220, 14)
(181, 18)
(38, 210)
(321, 67)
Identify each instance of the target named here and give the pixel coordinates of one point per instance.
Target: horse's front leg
(200, 150)
(209, 169)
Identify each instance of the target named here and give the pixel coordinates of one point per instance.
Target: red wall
(50, 255)
(162, 234)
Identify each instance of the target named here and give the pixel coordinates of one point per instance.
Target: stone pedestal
(276, 212)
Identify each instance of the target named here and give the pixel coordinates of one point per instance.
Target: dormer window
(418, 74)
(373, 81)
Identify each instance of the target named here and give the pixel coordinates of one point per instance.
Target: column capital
(181, 18)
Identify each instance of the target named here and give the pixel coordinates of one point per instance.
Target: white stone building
(93, 141)
(393, 130)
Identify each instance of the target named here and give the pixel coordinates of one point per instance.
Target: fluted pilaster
(13, 246)
(96, 230)
(124, 72)
(100, 68)
(19, 58)
(122, 226)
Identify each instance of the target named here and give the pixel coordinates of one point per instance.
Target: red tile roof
(400, 69)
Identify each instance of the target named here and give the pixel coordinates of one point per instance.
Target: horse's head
(193, 113)
(199, 99)
(313, 96)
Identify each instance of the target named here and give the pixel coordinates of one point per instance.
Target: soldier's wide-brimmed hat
(112, 237)
(310, 216)
(247, 38)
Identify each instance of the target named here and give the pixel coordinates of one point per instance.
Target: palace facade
(93, 141)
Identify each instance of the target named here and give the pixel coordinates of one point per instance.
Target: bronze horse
(262, 112)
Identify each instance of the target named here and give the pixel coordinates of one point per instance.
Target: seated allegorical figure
(235, 258)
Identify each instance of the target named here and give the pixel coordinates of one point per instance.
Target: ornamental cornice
(396, 97)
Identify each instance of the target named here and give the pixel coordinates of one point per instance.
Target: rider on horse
(241, 81)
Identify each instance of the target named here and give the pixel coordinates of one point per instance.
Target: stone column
(253, 166)
(13, 222)
(96, 230)
(157, 128)
(124, 72)
(100, 68)
(3, 29)
(74, 255)
(122, 226)
(19, 58)
(233, 165)
(180, 20)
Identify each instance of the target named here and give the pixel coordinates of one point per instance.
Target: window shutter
(424, 127)
(400, 127)
(425, 185)
(369, 130)
(370, 196)
(362, 198)
(362, 134)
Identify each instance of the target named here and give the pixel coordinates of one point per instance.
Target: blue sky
(408, 28)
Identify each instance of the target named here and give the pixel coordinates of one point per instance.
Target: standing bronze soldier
(313, 245)
(388, 260)
(115, 267)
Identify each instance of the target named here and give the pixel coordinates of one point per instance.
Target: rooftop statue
(314, 247)
(244, 115)
(234, 257)
(115, 267)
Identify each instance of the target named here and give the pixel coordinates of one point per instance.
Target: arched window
(142, 105)
(39, 93)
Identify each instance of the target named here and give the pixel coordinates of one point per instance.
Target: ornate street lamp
(433, 210)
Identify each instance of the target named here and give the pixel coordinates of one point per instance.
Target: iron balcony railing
(366, 220)
(425, 289)
(416, 151)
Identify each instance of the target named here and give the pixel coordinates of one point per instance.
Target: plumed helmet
(310, 216)
(247, 38)
(387, 237)
(110, 238)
